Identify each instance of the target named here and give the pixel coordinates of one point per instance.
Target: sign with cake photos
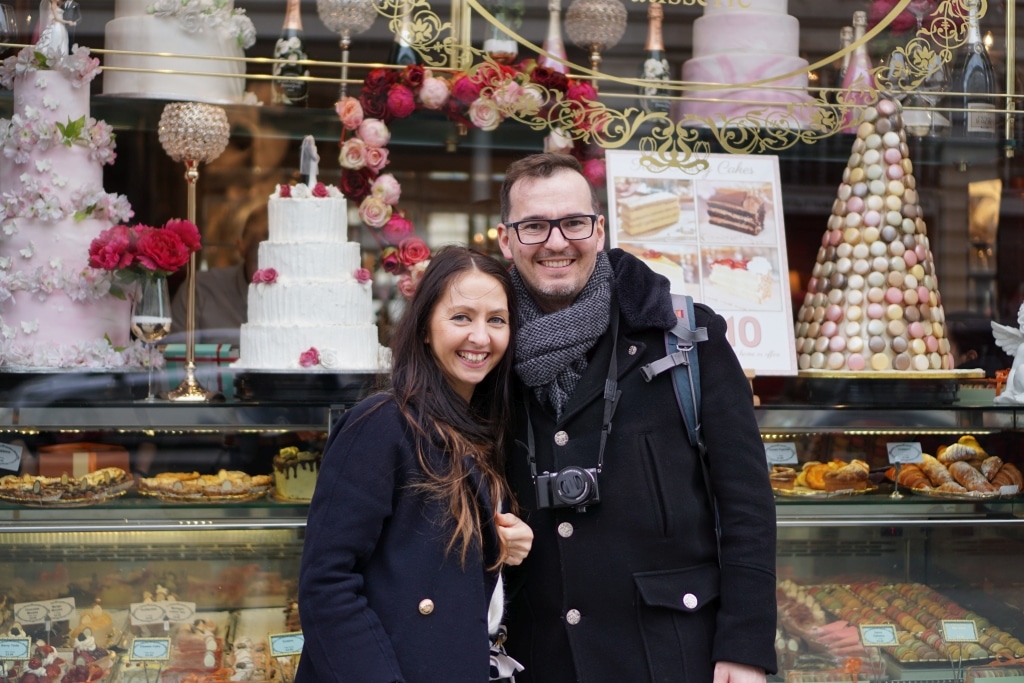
(717, 236)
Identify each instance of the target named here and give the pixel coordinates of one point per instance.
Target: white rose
(330, 359)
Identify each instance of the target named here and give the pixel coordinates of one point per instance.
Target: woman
(400, 576)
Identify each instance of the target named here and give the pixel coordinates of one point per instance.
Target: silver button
(561, 438)
(573, 617)
(689, 601)
(565, 530)
(631, 350)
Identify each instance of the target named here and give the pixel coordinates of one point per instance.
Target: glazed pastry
(970, 478)
(935, 470)
(990, 466)
(783, 478)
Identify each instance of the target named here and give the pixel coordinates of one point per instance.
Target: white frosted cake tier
(742, 69)
(749, 33)
(316, 219)
(744, 6)
(310, 262)
(338, 303)
(348, 347)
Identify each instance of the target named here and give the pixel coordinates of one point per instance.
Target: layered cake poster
(717, 235)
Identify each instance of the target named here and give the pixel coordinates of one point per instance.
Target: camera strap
(611, 400)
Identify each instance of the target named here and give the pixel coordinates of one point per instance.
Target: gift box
(212, 366)
(78, 459)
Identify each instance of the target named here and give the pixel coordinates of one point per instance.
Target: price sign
(15, 649)
(286, 644)
(780, 454)
(10, 457)
(959, 631)
(151, 649)
(166, 611)
(41, 611)
(904, 452)
(878, 635)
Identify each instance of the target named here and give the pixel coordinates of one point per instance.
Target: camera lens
(574, 485)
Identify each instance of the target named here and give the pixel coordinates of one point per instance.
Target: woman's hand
(518, 537)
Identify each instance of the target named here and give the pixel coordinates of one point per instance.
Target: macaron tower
(872, 304)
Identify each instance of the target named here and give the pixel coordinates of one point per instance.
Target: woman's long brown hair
(441, 417)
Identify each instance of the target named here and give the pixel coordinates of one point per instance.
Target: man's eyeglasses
(537, 231)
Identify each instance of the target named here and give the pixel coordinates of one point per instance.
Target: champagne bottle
(845, 41)
(553, 42)
(655, 66)
(290, 47)
(858, 82)
(401, 49)
(974, 85)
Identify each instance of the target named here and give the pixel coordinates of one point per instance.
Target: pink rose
(374, 133)
(284, 191)
(417, 270)
(594, 172)
(464, 89)
(389, 260)
(111, 249)
(374, 212)
(406, 286)
(320, 190)
(506, 97)
(309, 357)
(581, 91)
(266, 276)
(397, 228)
(434, 93)
(376, 158)
(412, 250)
(186, 231)
(362, 275)
(161, 250)
(401, 101)
(484, 115)
(387, 189)
(353, 154)
(350, 112)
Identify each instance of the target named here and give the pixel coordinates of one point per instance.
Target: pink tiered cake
(872, 302)
(56, 311)
(741, 42)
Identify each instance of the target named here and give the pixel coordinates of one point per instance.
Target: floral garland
(78, 66)
(221, 15)
(482, 98)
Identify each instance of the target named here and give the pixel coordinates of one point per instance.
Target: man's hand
(727, 672)
(518, 537)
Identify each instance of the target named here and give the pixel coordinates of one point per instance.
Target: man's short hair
(543, 165)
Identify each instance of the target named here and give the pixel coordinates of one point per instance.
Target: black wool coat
(381, 601)
(631, 590)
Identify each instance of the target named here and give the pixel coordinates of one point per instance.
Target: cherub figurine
(1011, 341)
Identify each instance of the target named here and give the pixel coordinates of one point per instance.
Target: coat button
(565, 529)
(689, 601)
(573, 617)
(426, 606)
(631, 350)
(561, 438)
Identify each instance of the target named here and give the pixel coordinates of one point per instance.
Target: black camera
(569, 487)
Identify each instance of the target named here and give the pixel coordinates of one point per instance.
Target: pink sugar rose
(594, 172)
(161, 250)
(387, 189)
(353, 154)
(397, 228)
(484, 114)
(350, 112)
(374, 212)
(401, 101)
(265, 276)
(374, 133)
(412, 250)
(362, 276)
(320, 190)
(389, 260)
(186, 231)
(406, 286)
(376, 158)
(284, 191)
(309, 357)
(434, 93)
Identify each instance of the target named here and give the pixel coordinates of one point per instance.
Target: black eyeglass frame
(555, 223)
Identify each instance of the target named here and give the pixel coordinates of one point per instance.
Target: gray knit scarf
(551, 349)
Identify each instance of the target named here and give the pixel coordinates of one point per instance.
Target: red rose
(375, 106)
(355, 184)
(401, 101)
(389, 260)
(397, 228)
(378, 80)
(412, 76)
(319, 190)
(549, 78)
(412, 250)
(464, 89)
(285, 191)
(489, 73)
(111, 250)
(187, 231)
(880, 8)
(594, 172)
(309, 357)
(161, 250)
(581, 92)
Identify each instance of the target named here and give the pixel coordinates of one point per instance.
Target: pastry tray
(804, 492)
(199, 498)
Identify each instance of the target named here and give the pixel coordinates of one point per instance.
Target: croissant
(935, 470)
(971, 442)
(970, 478)
(955, 453)
(1008, 475)
(951, 487)
(912, 477)
(990, 466)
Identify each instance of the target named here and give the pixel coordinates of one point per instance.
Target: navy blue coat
(379, 597)
(630, 590)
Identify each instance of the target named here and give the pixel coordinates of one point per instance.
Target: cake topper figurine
(309, 161)
(53, 40)
(1011, 340)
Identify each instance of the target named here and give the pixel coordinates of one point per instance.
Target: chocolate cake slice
(737, 210)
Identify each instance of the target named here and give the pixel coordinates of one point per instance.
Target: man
(629, 587)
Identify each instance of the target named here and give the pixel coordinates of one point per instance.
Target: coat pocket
(676, 611)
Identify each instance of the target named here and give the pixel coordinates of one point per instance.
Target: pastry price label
(878, 635)
(167, 611)
(780, 453)
(904, 452)
(14, 649)
(1008, 490)
(10, 457)
(959, 631)
(286, 644)
(42, 611)
(151, 649)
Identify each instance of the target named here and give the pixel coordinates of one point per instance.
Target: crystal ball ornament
(346, 16)
(595, 25)
(193, 131)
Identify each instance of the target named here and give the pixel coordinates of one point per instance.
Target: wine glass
(151, 318)
(926, 119)
(8, 29)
